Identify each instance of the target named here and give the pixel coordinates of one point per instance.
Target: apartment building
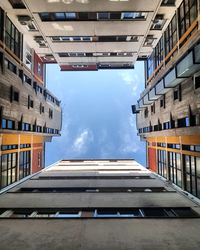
(91, 35)
(101, 204)
(30, 114)
(168, 110)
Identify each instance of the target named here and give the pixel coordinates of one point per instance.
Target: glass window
(70, 15)
(59, 16)
(25, 163)
(3, 179)
(12, 38)
(103, 15)
(198, 166)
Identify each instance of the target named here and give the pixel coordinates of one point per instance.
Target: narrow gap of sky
(97, 119)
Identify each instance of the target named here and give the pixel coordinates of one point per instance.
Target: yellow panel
(184, 152)
(151, 139)
(9, 139)
(190, 140)
(25, 139)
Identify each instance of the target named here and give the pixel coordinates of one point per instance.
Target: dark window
(12, 38)
(174, 161)
(166, 125)
(177, 93)
(8, 124)
(115, 15)
(183, 122)
(192, 174)
(26, 126)
(10, 66)
(24, 164)
(9, 147)
(171, 35)
(1, 25)
(50, 113)
(8, 169)
(160, 212)
(17, 4)
(153, 108)
(16, 96)
(25, 145)
(95, 39)
(162, 164)
(154, 212)
(168, 3)
(30, 102)
(187, 14)
(197, 82)
(103, 15)
(27, 79)
(162, 102)
(107, 38)
(91, 16)
(39, 129)
(41, 108)
(146, 112)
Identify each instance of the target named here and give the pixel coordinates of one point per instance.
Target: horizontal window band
(91, 177)
(91, 190)
(98, 213)
(93, 16)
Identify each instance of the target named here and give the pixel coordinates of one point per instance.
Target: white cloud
(129, 141)
(82, 141)
(132, 79)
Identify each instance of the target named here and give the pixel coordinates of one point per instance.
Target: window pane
(188, 188)
(9, 161)
(179, 181)
(198, 166)
(9, 176)
(70, 15)
(193, 181)
(198, 187)
(3, 179)
(192, 165)
(4, 162)
(14, 174)
(14, 159)
(59, 16)
(187, 163)
(178, 161)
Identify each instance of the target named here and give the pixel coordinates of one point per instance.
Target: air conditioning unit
(38, 38)
(24, 19)
(149, 40)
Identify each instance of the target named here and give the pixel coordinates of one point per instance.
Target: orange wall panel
(38, 67)
(37, 160)
(152, 159)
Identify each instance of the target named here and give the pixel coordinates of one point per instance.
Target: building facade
(168, 111)
(30, 115)
(101, 204)
(91, 35)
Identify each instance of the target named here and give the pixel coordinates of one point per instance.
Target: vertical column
(182, 163)
(18, 156)
(31, 160)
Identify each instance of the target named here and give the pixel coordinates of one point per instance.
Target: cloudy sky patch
(97, 119)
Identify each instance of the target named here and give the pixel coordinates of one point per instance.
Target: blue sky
(97, 118)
